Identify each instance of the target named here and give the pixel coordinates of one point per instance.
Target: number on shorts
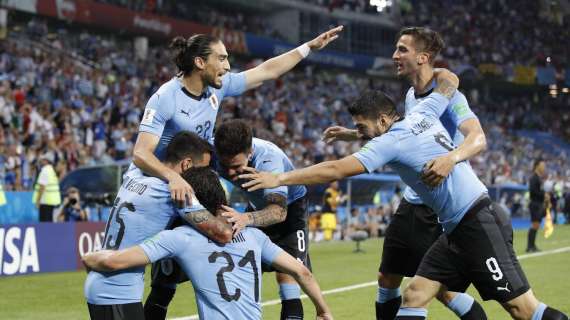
(301, 240)
(494, 268)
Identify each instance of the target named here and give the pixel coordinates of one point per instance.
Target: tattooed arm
(215, 228)
(274, 212)
(447, 82)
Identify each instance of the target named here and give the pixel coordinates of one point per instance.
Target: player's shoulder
(263, 148)
(458, 97)
(410, 92)
(187, 232)
(255, 233)
(169, 87)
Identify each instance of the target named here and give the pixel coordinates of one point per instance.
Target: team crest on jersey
(148, 116)
(214, 101)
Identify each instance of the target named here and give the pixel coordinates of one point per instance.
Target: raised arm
(110, 260)
(323, 172)
(275, 67)
(285, 263)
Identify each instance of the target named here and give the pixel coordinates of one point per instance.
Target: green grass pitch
(60, 295)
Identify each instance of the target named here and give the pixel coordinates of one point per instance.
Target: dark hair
(207, 187)
(186, 144)
(425, 40)
(371, 104)
(186, 50)
(537, 162)
(233, 137)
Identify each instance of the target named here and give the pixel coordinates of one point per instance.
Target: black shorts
(290, 235)
(410, 234)
(479, 251)
(128, 311)
(537, 211)
(296, 244)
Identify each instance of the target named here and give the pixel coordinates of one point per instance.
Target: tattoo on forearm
(446, 88)
(213, 227)
(274, 212)
(200, 216)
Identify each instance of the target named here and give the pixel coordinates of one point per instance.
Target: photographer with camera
(72, 209)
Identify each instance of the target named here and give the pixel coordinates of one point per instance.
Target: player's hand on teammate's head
(180, 191)
(325, 38)
(260, 180)
(437, 170)
(338, 133)
(238, 220)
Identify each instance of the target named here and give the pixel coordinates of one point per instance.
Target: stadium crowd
(88, 114)
(528, 36)
(505, 33)
(218, 16)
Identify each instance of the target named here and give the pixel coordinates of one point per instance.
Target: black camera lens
(72, 201)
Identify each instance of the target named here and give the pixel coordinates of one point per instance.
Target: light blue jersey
(173, 109)
(269, 157)
(456, 112)
(226, 278)
(143, 208)
(409, 145)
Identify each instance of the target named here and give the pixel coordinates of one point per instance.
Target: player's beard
(210, 81)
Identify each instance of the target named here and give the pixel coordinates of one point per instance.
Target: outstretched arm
(284, 262)
(323, 172)
(110, 260)
(275, 67)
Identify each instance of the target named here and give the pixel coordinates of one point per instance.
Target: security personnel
(46, 195)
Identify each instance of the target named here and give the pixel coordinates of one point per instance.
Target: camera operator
(72, 209)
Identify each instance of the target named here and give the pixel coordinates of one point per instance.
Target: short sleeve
(378, 152)
(165, 244)
(269, 250)
(233, 84)
(189, 210)
(273, 165)
(460, 109)
(157, 112)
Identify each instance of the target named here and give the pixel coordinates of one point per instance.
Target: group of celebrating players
(172, 211)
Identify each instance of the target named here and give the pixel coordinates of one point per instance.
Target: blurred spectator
(46, 191)
(356, 222)
(315, 232)
(332, 198)
(72, 208)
